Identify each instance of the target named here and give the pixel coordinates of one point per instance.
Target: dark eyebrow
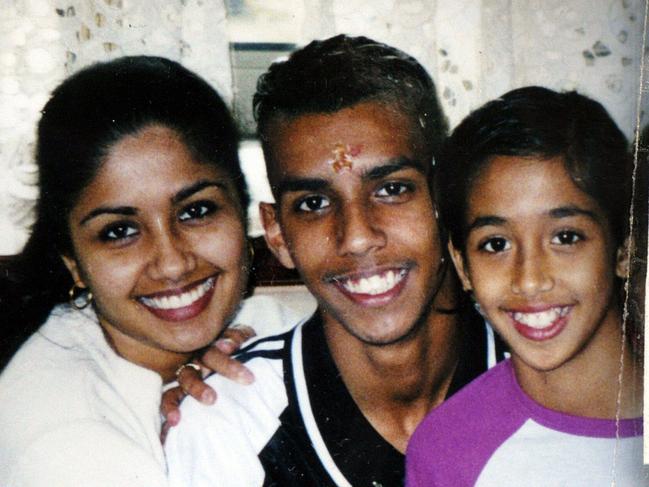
(391, 166)
(568, 211)
(561, 212)
(300, 184)
(185, 193)
(110, 210)
(130, 211)
(484, 221)
(376, 172)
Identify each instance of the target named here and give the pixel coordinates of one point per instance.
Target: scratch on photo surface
(625, 315)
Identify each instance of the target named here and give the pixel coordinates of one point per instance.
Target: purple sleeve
(418, 464)
(455, 441)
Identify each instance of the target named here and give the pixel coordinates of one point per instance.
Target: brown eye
(312, 203)
(118, 231)
(197, 210)
(567, 237)
(495, 245)
(393, 188)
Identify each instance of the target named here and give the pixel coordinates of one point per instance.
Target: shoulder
(487, 397)
(66, 378)
(267, 315)
(222, 441)
(67, 338)
(65, 360)
(49, 369)
(267, 358)
(482, 410)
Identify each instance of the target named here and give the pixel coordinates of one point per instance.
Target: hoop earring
(251, 252)
(80, 297)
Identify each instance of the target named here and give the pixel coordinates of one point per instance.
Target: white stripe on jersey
(307, 412)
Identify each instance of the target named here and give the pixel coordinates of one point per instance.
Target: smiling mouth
(541, 325)
(180, 300)
(372, 288)
(374, 284)
(540, 319)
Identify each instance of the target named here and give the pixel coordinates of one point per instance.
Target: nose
(171, 257)
(532, 273)
(358, 231)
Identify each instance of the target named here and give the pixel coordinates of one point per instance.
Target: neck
(166, 366)
(396, 385)
(602, 380)
(164, 362)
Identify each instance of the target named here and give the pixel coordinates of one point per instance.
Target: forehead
(526, 186)
(154, 161)
(368, 132)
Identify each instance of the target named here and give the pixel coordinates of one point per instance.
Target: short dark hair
(339, 72)
(97, 107)
(537, 122)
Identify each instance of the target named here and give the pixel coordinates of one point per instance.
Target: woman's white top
(73, 412)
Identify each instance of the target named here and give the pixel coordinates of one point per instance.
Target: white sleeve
(85, 453)
(206, 450)
(218, 445)
(267, 316)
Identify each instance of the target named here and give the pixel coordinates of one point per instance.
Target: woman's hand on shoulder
(191, 376)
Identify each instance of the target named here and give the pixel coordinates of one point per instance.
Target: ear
(622, 259)
(73, 267)
(274, 238)
(458, 262)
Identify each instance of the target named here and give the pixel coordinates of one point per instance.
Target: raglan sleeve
(418, 463)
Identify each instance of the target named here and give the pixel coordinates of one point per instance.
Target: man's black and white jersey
(297, 424)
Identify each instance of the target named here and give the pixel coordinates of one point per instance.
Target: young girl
(534, 189)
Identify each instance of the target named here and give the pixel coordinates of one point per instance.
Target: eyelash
(401, 189)
(123, 231)
(299, 206)
(127, 230)
(576, 237)
(490, 241)
(205, 208)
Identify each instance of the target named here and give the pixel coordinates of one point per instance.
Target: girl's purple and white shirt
(492, 434)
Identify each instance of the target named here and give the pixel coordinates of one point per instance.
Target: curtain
(43, 41)
(474, 49)
(477, 50)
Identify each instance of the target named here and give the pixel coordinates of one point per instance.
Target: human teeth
(375, 284)
(389, 277)
(541, 319)
(181, 300)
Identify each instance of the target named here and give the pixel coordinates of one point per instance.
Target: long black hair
(85, 116)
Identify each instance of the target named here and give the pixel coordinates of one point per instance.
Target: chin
(190, 342)
(541, 364)
(381, 337)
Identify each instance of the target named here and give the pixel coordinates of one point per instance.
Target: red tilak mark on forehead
(343, 156)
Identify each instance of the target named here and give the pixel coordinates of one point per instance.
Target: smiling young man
(349, 128)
